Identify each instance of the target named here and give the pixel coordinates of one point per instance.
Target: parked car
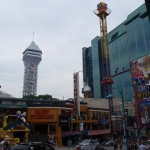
(108, 143)
(32, 146)
(87, 142)
(92, 147)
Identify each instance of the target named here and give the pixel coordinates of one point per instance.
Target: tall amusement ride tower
(102, 12)
(31, 58)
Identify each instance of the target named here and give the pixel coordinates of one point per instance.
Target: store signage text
(75, 92)
(143, 94)
(42, 114)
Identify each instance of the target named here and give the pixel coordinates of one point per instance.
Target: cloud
(61, 30)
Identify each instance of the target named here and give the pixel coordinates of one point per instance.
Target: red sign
(96, 132)
(42, 114)
(75, 92)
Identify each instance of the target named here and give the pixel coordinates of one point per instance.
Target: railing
(94, 118)
(83, 117)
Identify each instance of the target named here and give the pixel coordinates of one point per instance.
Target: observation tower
(31, 58)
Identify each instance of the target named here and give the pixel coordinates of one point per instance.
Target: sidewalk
(65, 147)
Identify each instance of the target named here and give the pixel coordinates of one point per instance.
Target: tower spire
(33, 36)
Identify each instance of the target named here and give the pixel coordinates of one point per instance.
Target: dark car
(92, 147)
(32, 146)
(108, 143)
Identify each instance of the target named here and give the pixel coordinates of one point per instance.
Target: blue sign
(103, 122)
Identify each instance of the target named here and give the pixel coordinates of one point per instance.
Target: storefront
(45, 122)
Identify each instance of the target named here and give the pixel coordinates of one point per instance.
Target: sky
(61, 29)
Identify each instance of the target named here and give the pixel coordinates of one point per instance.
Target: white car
(83, 143)
(87, 142)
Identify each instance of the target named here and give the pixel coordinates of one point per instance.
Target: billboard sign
(144, 111)
(140, 73)
(76, 93)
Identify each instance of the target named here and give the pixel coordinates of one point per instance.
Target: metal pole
(124, 121)
(69, 133)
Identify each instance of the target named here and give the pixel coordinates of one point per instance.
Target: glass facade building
(87, 67)
(127, 42)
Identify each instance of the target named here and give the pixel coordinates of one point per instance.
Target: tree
(41, 97)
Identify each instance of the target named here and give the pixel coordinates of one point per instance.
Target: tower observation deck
(31, 58)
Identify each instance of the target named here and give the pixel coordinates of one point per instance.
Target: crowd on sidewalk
(141, 145)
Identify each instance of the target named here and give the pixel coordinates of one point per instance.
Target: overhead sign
(76, 92)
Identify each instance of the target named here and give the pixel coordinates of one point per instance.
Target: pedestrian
(1, 146)
(143, 147)
(6, 145)
(115, 146)
(120, 146)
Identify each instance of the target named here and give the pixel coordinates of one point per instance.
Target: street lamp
(110, 96)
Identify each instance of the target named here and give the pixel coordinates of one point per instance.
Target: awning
(97, 132)
(13, 106)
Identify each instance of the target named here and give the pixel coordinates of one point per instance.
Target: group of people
(136, 146)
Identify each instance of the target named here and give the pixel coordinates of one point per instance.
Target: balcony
(82, 118)
(94, 118)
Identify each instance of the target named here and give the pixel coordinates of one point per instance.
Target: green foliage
(41, 97)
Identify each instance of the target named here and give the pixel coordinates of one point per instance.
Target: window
(52, 128)
(131, 112)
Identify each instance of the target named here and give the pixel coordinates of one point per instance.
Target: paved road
(74, 148)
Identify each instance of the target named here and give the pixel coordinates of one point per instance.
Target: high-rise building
(31, 58)
(127, 42)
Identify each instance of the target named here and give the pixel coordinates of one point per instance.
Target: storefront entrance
(41, 129)
(20, 135)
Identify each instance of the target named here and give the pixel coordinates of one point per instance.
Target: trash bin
(70, 143)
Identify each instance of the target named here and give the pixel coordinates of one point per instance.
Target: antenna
(33, 36)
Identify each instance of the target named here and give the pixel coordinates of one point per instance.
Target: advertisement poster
(144, 111)
(116, 122)
(140, 73)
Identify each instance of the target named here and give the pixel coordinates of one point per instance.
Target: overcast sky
(61, 29)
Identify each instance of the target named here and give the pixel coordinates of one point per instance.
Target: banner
(81, 126)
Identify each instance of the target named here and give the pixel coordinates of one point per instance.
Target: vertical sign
(76, 93)
(81, 126)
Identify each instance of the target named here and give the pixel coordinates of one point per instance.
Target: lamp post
(70, 142)
(123, 112)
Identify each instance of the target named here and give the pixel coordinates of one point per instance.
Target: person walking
(120, 146)
(115, 146)
(1, 146)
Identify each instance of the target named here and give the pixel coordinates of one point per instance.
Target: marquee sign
(40, 114)
(76, 92)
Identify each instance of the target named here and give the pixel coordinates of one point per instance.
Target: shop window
(106, 116)
(52, 129)
(41, 129)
